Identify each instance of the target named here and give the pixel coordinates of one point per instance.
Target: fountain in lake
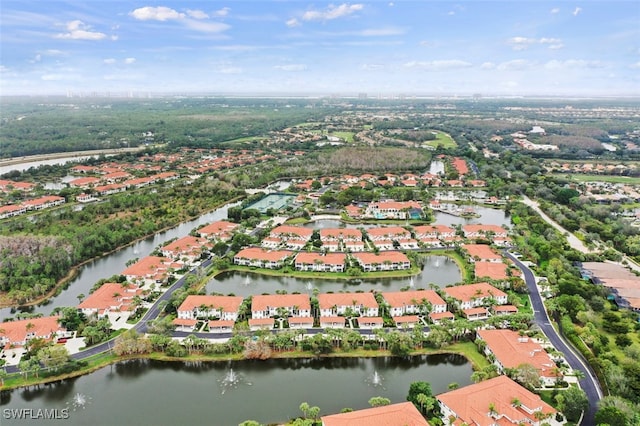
(247, 281)
(79, 401)
(411, 284)
(231, 380)
(309, 286)
(375, 380)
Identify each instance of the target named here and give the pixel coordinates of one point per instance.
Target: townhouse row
(381, 238)
(406, 308)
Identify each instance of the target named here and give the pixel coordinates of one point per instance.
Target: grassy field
(600, 178)
(345, 136)
(442, 139)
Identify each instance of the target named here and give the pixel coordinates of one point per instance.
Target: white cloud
(391, 4)
(222, 12)
(206, 27)
(197, 14)
(53, 52)
(522, 43)
(293, 22)
(193, 19)
(3, 68)
(555, 10)
(516, 64)
(129, 61)
(438, 65)
(487, 66)
(382, 32)
(372, 67)
(228, 69)
(78, 30)
(291, 67)
(109, 61)
(635, 66)
(161, 13)
(576, 11)
(573, 64)
(332, 12)
(36, 58)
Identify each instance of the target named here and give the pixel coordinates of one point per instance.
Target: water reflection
(438, 270)
(153, 392)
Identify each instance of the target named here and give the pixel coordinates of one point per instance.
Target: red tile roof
(388, 231)
(261, 302)
(340, 233)
(468, 291)
(483, 229)
(397, 299)
(401, 414)
(390, 256)
(221, 228)
(491, 270)
(471, 402)
(511, 350)
(111, 295)
(481, 251)
(328, 300)
(308, 258)
(299, 231)
(16, 331)
(257, 253)
(227, 303)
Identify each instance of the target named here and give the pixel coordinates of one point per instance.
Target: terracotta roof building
(334, 304)
(221, 230)
(265, 306)
(261, 258)
(511, 350)
(223, 307)
(17, 333)
(413, 302)
(400, 414)
(469, 296)
(311, 261)
(110, 297)
(491, 402)
(384, 261)
(481, 252)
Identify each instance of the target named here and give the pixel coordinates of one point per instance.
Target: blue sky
(563, 48)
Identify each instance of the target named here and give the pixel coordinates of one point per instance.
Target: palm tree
(492, 409)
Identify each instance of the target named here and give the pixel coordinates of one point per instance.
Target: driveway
(589, 383)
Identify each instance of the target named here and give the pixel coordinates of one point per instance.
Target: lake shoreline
(110, 359)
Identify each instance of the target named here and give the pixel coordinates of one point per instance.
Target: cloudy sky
(584, 48)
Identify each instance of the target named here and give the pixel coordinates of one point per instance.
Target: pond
(143, 392)
(438, 269)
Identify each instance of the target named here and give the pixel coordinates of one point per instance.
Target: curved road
(589, 383)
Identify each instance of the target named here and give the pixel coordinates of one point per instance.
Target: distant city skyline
(379, 48)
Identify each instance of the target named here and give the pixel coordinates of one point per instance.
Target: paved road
(589, 383)
(573, 241)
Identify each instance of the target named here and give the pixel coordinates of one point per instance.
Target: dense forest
(37, 251)
(30, 127)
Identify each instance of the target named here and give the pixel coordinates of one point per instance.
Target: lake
(144, 392)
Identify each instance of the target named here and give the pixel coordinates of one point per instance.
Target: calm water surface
(438, 269)
(163, 393)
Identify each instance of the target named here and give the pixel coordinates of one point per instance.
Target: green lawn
(599, 178)
(442, 139)
(345, 136)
